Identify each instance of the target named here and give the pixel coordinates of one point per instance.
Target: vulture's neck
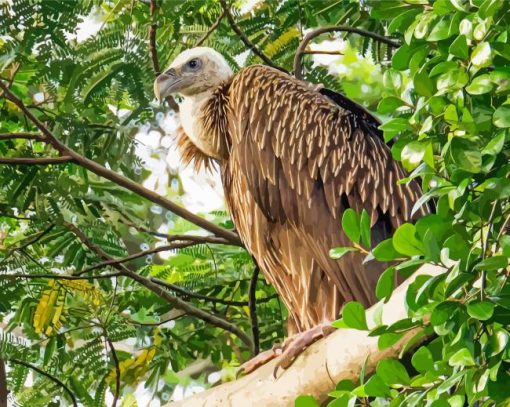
(203, 121)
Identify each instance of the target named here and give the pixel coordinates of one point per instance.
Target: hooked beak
(166, 84)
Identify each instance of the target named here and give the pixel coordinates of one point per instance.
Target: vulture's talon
(259, 360)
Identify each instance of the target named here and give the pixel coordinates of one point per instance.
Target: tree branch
(154, 51)
(4, 392)
(13, 136)
(320, 367)
(216, 300)
(117, 372)
(252, 300)
(52, 378)
(156, 289)
(242, 36)
(36, 161)
(212, 28)
(61, 276)
(117, 178)
(315, 33)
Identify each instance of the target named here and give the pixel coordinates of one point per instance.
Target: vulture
(293, 157)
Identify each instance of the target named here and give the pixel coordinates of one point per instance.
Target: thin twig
(252, 299)
(137, 255)
(154, 51)
(211, 29)
(36, 161)
(117, 178)
(117, 372)
(158, 290)
(3, 385)
(242, 36)
(52, 378)
(315, 33)
(13, 136)
(184, 292)
(61, 276)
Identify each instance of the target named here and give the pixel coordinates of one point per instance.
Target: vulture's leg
(297, 344)
(259, 360)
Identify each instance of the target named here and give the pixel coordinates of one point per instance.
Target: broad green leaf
(338, 252)
(388, 339)
(422, 360)
(351, 225)
(305, 401)
(365, 229)
(501, 116)
(385, 284)
(466, 155)
(353, 315)
(492, 263)
(497, 343)
(480, 85)
(391, 371)
(495, 145)
(440, 31)
(481, 55)
(385, 251)
(462, 357)
(459, 47)
(481, 310)
(412, 155)
(405, 242)
(375, 387)
(389, 105)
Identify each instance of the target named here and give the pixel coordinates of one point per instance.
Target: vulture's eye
(193, 63)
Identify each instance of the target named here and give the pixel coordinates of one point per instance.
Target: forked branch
(298, 67)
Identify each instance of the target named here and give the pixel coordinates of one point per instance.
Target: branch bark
(298, 67)
(36, 161)
(117, 178)
(317, 370)
(29, 136)
(211, 29)
(3, 385)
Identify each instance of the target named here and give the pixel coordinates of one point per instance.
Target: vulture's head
(194, 71)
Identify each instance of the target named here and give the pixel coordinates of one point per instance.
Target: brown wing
(305, 160)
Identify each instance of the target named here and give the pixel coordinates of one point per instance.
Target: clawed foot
(297, 344)
(261, 359)
(288, 351)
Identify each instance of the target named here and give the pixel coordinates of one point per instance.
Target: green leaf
(338, 252)
(351, 225)
(388, 339)
(305, 401)
(481, 55)
(401, 58)
(480, 85)
(501, 117)
(441, 31)
(481, 310)
(495, 145)
(385, 284)
(466, 155)
(354, 316)
(492, 263)
(462, 357)
(391, 371)
(394, 126)
(412, 154)
(422, 360)
(389, 105)
(405, 242)
(385, 251)
(423, 85)
(459, 47)
(443, 312)
(375, 387)
(497, 343)
(365, 229)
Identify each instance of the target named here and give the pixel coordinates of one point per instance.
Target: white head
(194, 71)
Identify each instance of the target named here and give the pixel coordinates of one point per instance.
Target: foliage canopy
(443, 99)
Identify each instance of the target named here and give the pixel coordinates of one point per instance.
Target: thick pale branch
(117, 178)
(298, 67)
(317, 371)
